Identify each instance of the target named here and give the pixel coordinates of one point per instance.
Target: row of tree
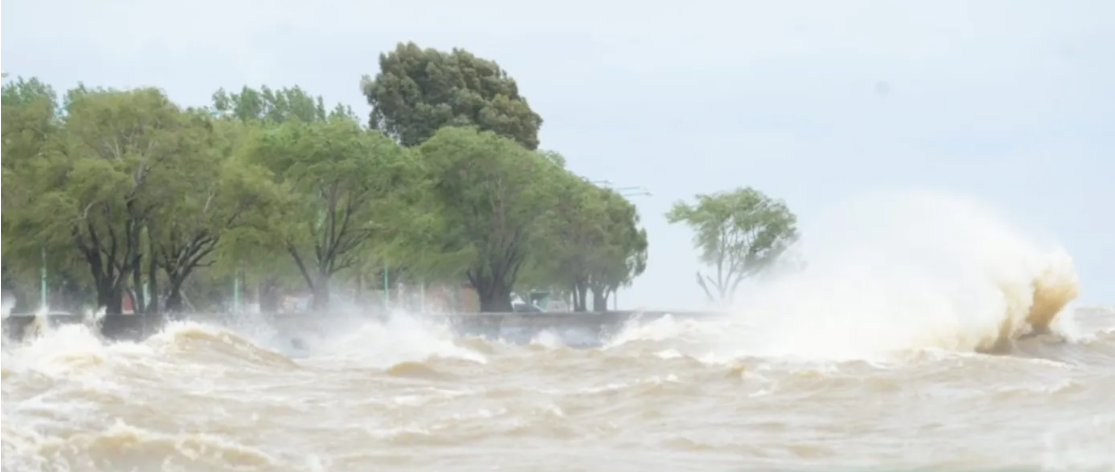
(122, 192)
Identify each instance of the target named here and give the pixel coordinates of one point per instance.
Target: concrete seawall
(133, 327)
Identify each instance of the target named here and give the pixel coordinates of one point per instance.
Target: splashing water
(909, 270)
(924, 279)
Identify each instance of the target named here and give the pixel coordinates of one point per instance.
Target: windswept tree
(419, 91)
(30, 120)
(29, 123)
(491, 196)
(221, 194)
(623, 254)
(739, 234)
(594, 243)
(341, 183)
(96, 182)
(275, 105)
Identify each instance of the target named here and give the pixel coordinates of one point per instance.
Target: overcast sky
(1011, 101)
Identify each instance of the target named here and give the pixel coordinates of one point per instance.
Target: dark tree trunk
(496, 301)
(174, 301)
(108, 273)
(112, 299)
(580, 295)
(321, 292)
(494, 294)
(152, 274)
(599, 299)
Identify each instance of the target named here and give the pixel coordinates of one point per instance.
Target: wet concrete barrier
(22, 326)
(134, 327)
(544, 320)
(121, 327)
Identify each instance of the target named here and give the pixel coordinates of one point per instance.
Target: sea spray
(892, 271)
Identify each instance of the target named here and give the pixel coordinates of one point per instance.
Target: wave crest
(913, 270)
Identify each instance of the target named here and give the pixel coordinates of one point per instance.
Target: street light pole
(42, 288)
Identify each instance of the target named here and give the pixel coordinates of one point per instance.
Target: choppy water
(867, 358)
(665, 396)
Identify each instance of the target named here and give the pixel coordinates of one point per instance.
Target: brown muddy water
(668, 395)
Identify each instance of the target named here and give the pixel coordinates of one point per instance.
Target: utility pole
(386, 288)
(43, 288)
(236, 290)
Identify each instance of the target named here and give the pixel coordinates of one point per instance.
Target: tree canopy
(419, 91)
(122, 194)
(738, 233)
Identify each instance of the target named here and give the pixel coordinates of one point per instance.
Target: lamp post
(42, 288)
(386, 287)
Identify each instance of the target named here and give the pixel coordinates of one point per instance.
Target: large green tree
(215, 192)
(491, 196)
(739, 234)
(30, 109)
(419, 91)
(341, 183)
(623, 254)
(593, 242)
(100, 177)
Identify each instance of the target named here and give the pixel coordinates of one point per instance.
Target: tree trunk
(152, 274)
(599, 299)
(174, 301)
(496, 301)
(321, 292)
(493, 291)
(111, 297)
(580, 298)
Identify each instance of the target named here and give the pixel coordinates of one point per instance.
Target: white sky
(1010, 101)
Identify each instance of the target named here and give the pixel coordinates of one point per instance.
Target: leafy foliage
(595, 241)
(123, 194)
(342, 181)
(491, 195)
(739, 234)
(419, 91)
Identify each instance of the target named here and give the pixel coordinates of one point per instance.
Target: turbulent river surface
(666, 395)
(925, 333)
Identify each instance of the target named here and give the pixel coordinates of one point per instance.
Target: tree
(340, 183)
(594, 242)
(574, 228)
(490, 195)
(95, 180)
(29, 109)
(215, 192)
(419, 91)
(740, 233)
(277, 106)
(623, 254)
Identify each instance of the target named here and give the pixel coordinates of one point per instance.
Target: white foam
(893, 271)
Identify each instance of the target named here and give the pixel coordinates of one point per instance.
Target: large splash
(893, 271)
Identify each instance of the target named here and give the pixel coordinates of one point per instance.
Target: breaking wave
(909, 270)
